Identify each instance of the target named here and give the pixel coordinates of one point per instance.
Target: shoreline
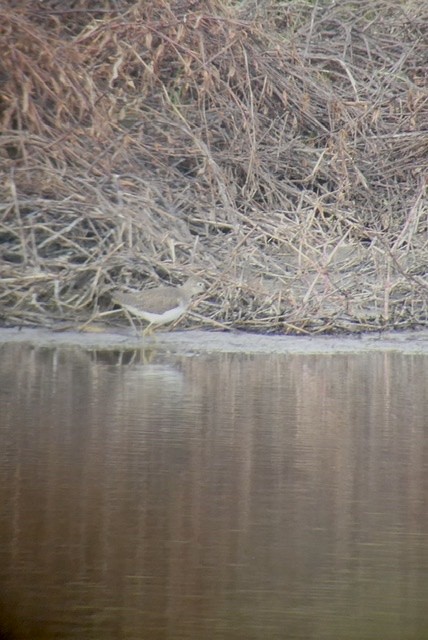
(199, 341)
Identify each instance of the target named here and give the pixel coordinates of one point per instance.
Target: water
(215, 497)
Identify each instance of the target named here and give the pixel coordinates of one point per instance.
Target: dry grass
(279, 149)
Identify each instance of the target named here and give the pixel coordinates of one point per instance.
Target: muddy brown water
(215, 496)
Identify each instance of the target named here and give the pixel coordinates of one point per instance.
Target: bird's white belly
(157, 318)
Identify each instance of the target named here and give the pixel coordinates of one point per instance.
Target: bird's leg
(130, 320)
(148, 330)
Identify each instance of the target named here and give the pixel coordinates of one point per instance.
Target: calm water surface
(214, 497)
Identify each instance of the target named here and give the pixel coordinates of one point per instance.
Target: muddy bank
(232, 342)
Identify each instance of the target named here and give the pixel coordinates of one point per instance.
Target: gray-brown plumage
(160, 305)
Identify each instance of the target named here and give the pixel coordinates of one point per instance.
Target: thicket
(278, 149)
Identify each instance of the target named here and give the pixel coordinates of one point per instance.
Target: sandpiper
(162, 304)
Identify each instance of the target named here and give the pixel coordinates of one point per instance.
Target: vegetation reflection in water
(213, 497)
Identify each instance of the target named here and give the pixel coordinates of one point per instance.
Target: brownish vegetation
(278, 148)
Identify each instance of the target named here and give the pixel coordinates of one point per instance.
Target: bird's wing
(154, 300)
(160, 300)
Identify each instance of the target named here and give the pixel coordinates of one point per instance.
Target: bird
(160, 305)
